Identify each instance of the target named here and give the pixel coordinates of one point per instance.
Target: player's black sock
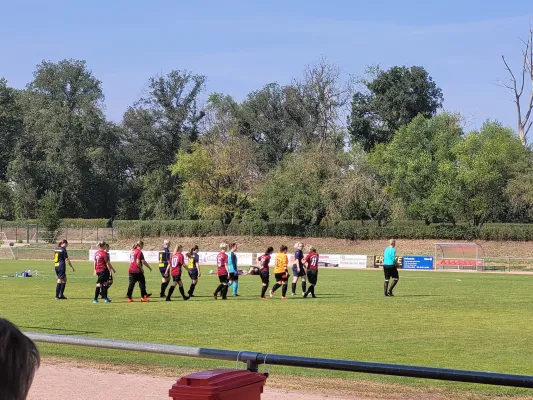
(170, 291)
(275, 287)
(294, 288)
(191, 289)
(219, 288)
(163, 288)
(263, 291)
(97, 292)
(224, 291)
(312, 290)
(58, 290)
(131, 286)
(385, 287)
(284, 289)
(142, 286)
(62, 290)
(182, 292)
(104, 291)
(394, 282)
(304, 286)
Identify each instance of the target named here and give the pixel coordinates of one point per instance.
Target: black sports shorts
(234, 276)
(137, 277)
(103, 276)
(193, 273)
(61, 272)
(312, 276)
(223, 278)
(390, 272)
(176, 278)
(281, 277)
(162, 270)
(265, 276)
(299, 273)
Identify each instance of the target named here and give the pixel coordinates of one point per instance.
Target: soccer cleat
(263, 298)
(149, 295)
(62, 297)
(145, 299)
(58, 298)
(215, 295)
(390, 294)
(283, 297)
(236, 295)
(293, 294)
(305, 295)
(162, 296)
(186, 298)
(191, 295)
(387, 295)
(106, 300)
(168, 299)
(130, 300)
(95, 301)
(271, 294)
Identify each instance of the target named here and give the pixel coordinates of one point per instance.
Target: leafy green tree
(487, 161)
(50, 215)
(218, 177)
(390, 100)
(6, 201)
(419, 167)
(11, 125)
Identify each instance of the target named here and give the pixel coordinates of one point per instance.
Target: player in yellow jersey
(281, 272)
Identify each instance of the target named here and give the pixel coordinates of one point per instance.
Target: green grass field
(451, 320)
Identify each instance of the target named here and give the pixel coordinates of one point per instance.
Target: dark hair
(19, 358)
(191, 251)
(283, 248)
(102, 245)
(270, 250)
(62, 242)
(231, 246)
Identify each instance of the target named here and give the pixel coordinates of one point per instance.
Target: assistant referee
(389, 267)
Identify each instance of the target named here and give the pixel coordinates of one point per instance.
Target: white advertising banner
(352, 261)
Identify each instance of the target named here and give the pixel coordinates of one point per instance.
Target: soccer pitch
(449, 320)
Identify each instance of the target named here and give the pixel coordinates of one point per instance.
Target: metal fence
(254, 359)
(33, 233)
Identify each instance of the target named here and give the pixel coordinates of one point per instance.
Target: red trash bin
(219, 384)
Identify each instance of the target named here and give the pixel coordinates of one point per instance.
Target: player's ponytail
(102, 245)
(139, 243)
(270, 250)
(178, 248)
(62, 242)
(190, 253)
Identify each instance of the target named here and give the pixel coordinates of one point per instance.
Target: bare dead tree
(517, 85)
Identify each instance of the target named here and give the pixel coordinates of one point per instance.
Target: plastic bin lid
(216, 381)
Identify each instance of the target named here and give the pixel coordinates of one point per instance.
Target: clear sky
(242, 45)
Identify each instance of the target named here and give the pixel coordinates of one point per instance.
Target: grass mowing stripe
(451, 320)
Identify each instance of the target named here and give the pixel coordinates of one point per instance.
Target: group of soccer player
(171, 265)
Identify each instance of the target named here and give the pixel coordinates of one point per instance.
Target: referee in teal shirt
(389, 267)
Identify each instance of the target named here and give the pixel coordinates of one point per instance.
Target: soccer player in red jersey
(223, 272)
(311, 264)
(136, 272)
(177, 262)
(102, 269)
(263, 261)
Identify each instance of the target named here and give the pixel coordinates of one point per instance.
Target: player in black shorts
(194, 268)
(298, 269)
(311, 264)
(60, 262)
(164, 258)
(263, 262)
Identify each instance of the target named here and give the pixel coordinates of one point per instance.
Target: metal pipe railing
(254, 359)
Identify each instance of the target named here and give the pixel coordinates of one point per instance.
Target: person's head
(102, 245)
(312, 249)
(138, 245)
(106, 247)
(166, 243)
(299, 246)
(195, 249)
(233, 246)
(392, 242)
(223, 246)
(283, 249)
(178, 248)
(270, 250)
(19, 359)
(63, 243)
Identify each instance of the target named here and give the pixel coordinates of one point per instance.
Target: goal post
(6, 251)
(459, 256)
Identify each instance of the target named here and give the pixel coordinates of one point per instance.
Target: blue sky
(242, 45)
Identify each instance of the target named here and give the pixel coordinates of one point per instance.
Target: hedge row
(353, 230)
(73, 223)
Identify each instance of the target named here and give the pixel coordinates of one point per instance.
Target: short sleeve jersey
(232, 262)
(60, 256)
(264, 260)
(176, 263)
(389, 256)
(312, 261)
(298, 258)
(100, 261)
(164, 257)
(222, 261)
(281, 263)
(136, 256)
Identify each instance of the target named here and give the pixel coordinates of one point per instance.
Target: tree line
(320, 149)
